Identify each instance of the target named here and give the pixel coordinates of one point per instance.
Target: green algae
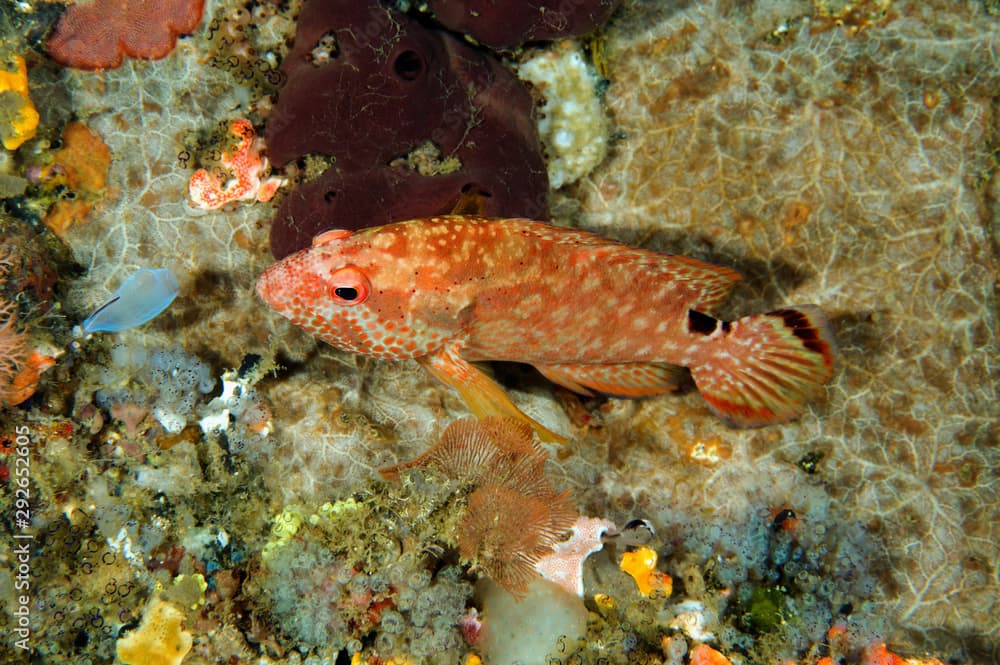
(765, 610)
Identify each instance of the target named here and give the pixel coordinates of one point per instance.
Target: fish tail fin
(768, 366)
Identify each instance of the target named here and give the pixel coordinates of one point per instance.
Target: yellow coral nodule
(159, 639)
(284, 526)
(641, 565)
(194, 586)
(23, 120)
(604, 602)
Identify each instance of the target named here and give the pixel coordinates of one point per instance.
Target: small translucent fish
(142, 296)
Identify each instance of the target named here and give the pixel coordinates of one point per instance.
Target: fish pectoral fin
(621, 380)
(483, 395)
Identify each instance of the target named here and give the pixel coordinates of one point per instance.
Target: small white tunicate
(563, 139)
(172, 422)
(572, 123)
(128, 356)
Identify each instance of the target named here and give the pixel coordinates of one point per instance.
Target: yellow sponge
(18, 117)
(159, 639)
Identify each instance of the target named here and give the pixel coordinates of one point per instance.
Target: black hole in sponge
(330, 196)
(408, 65)
(470, 186)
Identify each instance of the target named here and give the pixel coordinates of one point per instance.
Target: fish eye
(349, 286)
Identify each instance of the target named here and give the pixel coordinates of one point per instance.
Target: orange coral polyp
(13, 353)
(25, 382)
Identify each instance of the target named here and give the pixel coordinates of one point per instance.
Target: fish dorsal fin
(712, 283)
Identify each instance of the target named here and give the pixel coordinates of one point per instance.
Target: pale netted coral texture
(849, 168)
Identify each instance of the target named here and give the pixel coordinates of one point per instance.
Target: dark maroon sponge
(506, 24)
(389, 85)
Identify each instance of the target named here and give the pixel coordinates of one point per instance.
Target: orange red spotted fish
(589, 313)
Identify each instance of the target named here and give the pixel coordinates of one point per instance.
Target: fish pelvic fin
(483, 395)
(767, 366)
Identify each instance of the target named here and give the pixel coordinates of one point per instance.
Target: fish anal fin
(483, 395)
(768, 367)
(621, 380)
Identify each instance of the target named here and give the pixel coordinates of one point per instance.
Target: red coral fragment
(246, 165)
(100, 33)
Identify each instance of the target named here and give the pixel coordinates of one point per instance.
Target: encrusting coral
(81, 164)
(706, 655)
(816, 162)
(572, 123)
(564, 565)
(640, 563)
(99, 34)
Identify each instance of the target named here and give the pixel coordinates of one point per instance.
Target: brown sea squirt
(369, 86)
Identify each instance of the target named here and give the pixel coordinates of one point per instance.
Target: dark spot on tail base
(701, 323)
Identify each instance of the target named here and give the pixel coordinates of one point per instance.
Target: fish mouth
(266, 283)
